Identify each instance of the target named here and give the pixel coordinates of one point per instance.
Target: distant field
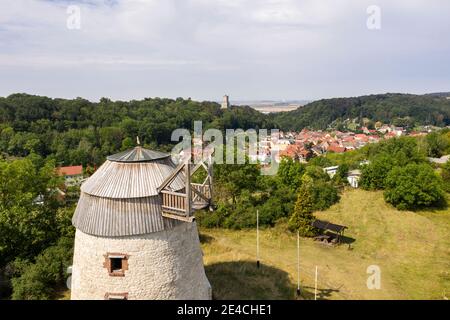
(275, 108)
(412, 250)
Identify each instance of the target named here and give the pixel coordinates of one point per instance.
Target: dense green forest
(78, 131)
(81, 132)
(399, 109)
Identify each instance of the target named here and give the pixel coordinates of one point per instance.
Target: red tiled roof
(293, 151)
(70, 171)
(362, 137)
(336, 148)
(303, 152)
(348, 139)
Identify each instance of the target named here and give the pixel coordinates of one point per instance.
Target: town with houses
(306, 144)
(299, 146)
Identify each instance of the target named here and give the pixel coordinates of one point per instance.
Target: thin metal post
(298, 263)
(187, 173)
(315, 285)
(211, 182)
(257, 238)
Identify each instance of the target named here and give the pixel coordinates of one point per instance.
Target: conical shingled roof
(121, 197)
(135, 173)
(138, 154)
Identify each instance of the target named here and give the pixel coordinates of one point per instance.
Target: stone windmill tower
(136, 237)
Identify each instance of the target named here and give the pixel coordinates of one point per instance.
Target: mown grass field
(411, 248)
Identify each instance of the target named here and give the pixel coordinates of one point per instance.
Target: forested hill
(78, 131)
(439, 94)
(402, 109)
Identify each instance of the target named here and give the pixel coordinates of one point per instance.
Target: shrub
(210, 219)
(271, 205)
(436, 144)
(374, 174)
(340, 178)
(37, 281)
(320, 162)
(314, 174)
(324, 195)
(414, 186)
(445, 174)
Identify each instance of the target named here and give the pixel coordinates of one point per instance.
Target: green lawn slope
(412, 250)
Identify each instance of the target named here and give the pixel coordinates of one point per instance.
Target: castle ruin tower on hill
(136, 237)
(225, 102)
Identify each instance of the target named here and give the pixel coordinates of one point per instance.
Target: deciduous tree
(413, 187)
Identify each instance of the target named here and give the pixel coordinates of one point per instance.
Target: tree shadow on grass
(242, 280)
(204, 238)
(322, 294)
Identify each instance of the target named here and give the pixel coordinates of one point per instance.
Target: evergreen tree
(303, 217)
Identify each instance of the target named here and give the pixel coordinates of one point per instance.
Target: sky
(203, 49)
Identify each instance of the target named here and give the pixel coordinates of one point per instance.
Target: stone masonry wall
(161, 265)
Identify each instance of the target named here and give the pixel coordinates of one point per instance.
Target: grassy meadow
(412, 250)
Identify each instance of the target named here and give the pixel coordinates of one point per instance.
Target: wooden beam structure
(172, 176)
(181, 204)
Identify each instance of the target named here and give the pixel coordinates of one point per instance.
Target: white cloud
(252, 48)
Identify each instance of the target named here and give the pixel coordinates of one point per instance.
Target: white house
(331, 171)
(73, 175)
(353, 177)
